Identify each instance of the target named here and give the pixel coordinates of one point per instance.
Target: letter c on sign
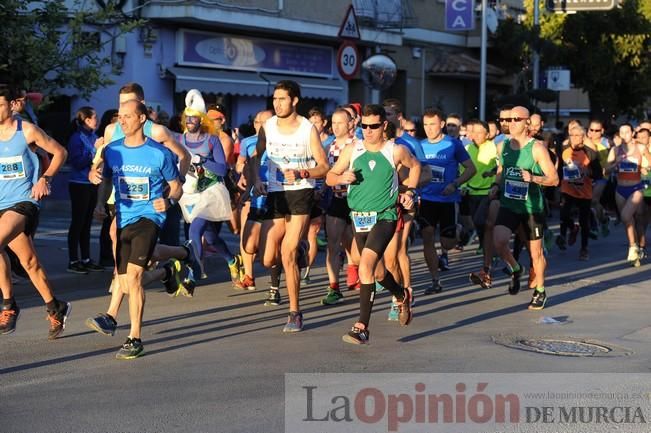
(460, 5)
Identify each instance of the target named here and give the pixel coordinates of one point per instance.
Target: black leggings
(83, 198)
(583, 204)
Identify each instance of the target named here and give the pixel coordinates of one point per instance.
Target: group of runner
(370, 183)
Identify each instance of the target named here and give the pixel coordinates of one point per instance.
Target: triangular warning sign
(349, 28)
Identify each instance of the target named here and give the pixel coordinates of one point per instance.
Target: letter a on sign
(459, 15)
(349, 28)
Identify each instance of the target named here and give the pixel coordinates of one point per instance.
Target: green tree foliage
(608, 53)
(48, 47)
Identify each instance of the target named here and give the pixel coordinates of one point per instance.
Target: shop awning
(253, 83)
(463, 66)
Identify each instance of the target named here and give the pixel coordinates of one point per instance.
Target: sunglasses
(517, 119)
(452, 125)
(410, 130)
(504, 119)
(371, 125)
(189, 119)
(594, 130)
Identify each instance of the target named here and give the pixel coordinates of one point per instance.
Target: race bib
(363, 221)
(134, 188)
(516, 190)
(12, 167)
(571, 173)
(628, 166)
(438, 174)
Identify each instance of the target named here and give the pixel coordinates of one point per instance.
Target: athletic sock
(514, 269)
(52, 305)
(9, 301)
(366, 298)
(540, 289)
(390, 284)
(275, 276)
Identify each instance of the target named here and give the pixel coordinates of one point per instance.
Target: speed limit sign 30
(348, 60)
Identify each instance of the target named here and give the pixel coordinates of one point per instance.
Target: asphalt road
(217, 362)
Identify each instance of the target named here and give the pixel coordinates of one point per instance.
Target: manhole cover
(562, 346)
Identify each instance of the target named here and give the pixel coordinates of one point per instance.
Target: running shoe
(273, 298)
(91, 266)
(234, 268)
(58, 318)
(633, 254)
(9, 315)
(404, 313)
(306, 276)
(642, 253)
(561, 243)
(357, 335)
(594, 234)
(246, 283)
(102, 323)
(583, 255)
(379, 288)
(514, 284)
(332, 297)
(188, 284)
(435, 287)
(76, 268)
(321, 242)
(444, 262)
(193, 260)
(173, 284)
(605, 229)
(294, 322)
(574, 231)
(352, 277)
(481, 278)
(394, 311)
(131, 349)
(538, 300)
(479, 251)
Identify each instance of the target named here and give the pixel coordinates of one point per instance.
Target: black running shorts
(30, 211)
(533, 224)
(378, 238)
(433, 213)
(136, 243)
(283, 203)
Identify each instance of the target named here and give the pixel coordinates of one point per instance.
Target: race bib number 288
(12, 167)
(134, 188)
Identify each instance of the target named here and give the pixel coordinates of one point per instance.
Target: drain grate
(564, 346)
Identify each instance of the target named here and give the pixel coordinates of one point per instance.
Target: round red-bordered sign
(348, 60)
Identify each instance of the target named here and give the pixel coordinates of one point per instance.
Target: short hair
(133, 88)
(627, 124)
(454, 116)
(9, 93)
(492, 122)
(393, 103)
(342, 110)
(292, 88)
(374, 110)
(599, 121)
(481, 123)
(507, 107)
(140, 107)
(579, 128)
(316, 111)
(643, 130)
(390, 131)
(434, 112)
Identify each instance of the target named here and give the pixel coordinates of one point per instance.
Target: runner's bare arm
(163, 135)
(34, 134)
(541, 156)
(339, 173)
(254, 166)
(401, 155)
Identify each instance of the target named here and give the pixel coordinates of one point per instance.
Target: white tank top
(288, 152)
